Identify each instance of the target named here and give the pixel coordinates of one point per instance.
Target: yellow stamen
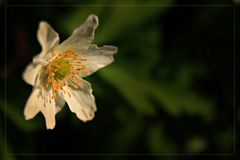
(62, 70)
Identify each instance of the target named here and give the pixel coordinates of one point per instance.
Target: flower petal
(48, 38)
(81, 101)
(31, 72)
(40, 100)
(81, 37)
(60, 102)
(32, 108)
(97, 57)
(87, 29)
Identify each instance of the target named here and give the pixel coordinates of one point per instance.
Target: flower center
(65, 70)
(60, 68)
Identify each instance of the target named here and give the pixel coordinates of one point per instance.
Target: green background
(170, 90)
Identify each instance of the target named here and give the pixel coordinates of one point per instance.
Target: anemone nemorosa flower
(56, 73)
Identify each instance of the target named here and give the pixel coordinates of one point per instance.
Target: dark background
(170, 90)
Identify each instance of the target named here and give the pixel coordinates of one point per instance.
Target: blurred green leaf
(133, 90)
(124, 20)
(177, 101)
(173, 101)
(142, 50)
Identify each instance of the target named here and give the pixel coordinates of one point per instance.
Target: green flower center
(61, 69)
(64, 70)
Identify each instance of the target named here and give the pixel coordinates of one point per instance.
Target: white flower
(56, 73)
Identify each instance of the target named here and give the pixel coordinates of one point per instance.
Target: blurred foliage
(169, 90)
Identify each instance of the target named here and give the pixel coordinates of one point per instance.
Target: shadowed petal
(31, 72)
(32, 108)
(87, 29)
(48, 38)
(40, 101)
(81, 101)
(81, 36)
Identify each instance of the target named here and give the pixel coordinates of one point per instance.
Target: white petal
(97, 57)
(32, 107)
(81, 36)
(60, 102)
(87, 29)
(41, 101)
(31, 72)
(81, 101)
(48, 38)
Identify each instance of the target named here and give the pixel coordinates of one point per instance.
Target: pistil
(65, 70)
